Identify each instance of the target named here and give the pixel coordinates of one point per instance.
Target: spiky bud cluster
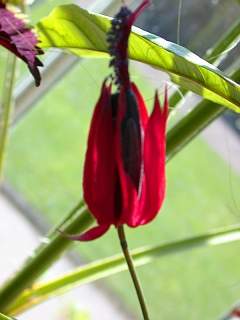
(118, 45)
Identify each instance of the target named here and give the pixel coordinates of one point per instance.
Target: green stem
(3, 317)
(179, 21)
(6, 107)
(112, 265)
(132, 271)
(216, 53)
(55, 230)
(68, 217)
(42, 259)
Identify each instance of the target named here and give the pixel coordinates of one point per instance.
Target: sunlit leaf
(112, 265)
(84, 34)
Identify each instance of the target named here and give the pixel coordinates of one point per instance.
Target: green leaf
(229, 40)
(193, 123)
(109, 266)
(82, 33)
(215, 55)
(6, 108)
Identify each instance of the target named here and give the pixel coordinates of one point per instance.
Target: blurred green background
(44, 164)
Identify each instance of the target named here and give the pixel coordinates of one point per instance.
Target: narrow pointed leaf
(109, 266)
(193, 123)
(78, 220)
(215, 55)
(82, 33)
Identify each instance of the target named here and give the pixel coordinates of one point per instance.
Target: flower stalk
(124, 144)
(16, 37)
(132, 271)
(6, 107)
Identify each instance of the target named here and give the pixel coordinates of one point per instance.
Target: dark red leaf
(18, 38)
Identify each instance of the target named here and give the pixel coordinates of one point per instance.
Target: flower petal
(143, 115)
(91, 234)
(153, 186)
(99, 168)
(137, 12)
(128, 151)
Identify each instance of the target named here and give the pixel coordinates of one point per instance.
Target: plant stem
(7, 104)
(179, 21)
(128, 258)
(3, 317)
(67, 219)
(6, 107)
(44, 256)
(100, 269)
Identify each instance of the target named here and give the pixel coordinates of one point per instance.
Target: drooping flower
(18, 38)
(124, 173)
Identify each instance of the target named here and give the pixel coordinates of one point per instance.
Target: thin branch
(132, 271)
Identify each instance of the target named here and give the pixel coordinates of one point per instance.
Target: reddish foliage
(20, 40)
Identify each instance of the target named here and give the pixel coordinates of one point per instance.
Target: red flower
(124, 173)
(20, 40)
